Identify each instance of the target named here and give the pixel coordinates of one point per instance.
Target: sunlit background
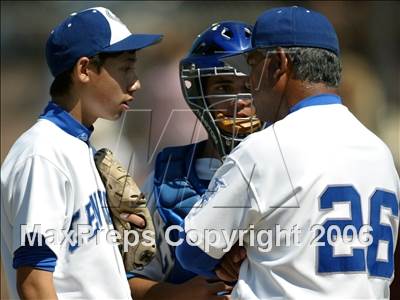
(369, 35)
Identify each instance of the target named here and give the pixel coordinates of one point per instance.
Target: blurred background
(369, 35)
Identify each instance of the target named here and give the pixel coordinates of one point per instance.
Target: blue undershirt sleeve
(36, 255)
(193, 259)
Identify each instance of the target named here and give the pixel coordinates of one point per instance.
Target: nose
(245, 106)
(243, 102)
(135, 86)
(240, 104)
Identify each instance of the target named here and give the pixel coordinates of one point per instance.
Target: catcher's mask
(226, 129)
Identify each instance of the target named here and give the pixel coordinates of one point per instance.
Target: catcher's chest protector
(177, 187)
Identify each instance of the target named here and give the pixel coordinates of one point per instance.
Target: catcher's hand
(124, 196)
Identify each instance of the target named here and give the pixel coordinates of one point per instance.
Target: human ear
(279, 64)
(81, 69)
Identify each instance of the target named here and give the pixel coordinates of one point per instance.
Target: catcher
(220, 98)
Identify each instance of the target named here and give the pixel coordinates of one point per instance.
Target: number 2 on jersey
(382, 233)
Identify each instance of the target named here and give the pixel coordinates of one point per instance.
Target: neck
(299, 90)
(209, 150)
(73, 106)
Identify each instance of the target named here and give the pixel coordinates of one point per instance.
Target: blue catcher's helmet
(220, 39)
(202, 61)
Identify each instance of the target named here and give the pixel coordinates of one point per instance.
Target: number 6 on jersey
(377, 258)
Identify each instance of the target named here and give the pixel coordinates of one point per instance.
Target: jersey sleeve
(39, 202)
(38, 257)
(229, 206)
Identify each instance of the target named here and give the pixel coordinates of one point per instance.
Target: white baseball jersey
(314, 173)
(49, 179)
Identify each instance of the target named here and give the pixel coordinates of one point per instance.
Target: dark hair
(315, 65)
(62, 83)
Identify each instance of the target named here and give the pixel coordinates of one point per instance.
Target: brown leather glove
(124, 196)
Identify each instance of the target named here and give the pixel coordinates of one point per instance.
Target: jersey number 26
(364, 258)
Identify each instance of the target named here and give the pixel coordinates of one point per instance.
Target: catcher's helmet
(203, 61)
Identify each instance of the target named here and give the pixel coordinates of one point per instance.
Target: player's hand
(228, 269)
(199, 288)
(136, 220)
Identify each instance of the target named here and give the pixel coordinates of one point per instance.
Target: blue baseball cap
(89, 32)
(293, 26)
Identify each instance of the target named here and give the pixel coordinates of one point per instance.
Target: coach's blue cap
(287, 27)
(294, 26)
(88, 33)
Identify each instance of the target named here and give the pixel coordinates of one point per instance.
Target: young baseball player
(325, 179)
(220, 98)
(51, 193)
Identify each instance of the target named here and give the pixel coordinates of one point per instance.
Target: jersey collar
(55, 114)
(321, 99)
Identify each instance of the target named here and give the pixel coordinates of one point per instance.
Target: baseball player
(314, 198)
(220, 98)
(51, 193)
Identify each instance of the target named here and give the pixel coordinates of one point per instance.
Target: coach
(315, 165)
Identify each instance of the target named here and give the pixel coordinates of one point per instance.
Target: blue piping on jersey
(321, 99)
(35, 256)
(57, 115)
(194, 259)
(130, 275)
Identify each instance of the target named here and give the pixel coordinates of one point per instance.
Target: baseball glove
(239, 125)
(124, 196)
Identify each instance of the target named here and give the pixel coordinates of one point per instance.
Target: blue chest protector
(176, 189)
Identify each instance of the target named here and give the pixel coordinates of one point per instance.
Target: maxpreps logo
(215, 185)
(86, 224)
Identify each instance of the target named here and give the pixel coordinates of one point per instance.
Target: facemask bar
(194, 94)
(266, 53)
(262, 74)
(234, 123)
